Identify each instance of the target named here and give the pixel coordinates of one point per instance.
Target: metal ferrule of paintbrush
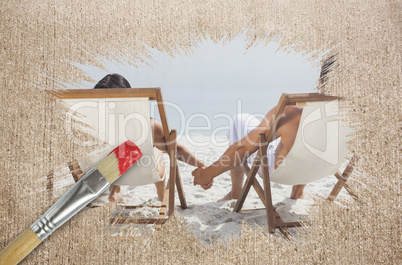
(91, 185)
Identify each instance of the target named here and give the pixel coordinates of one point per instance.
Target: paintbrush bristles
(109, 167)
(119, 161)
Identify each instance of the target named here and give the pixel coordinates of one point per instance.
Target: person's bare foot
(229, 196)
(298, 193)
(160, 189)
(303, 196)
(117, 197)
(160, 195)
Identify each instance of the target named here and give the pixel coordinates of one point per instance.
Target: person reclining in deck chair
(243, 139)
(183, 154)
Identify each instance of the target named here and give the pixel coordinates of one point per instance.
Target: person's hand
(207, 186)
(201, 178)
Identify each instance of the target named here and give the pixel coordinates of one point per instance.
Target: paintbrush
(91, 185)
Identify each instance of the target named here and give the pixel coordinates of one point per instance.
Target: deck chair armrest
(151, 93)
(309, 97)
(283, 101)
(293, 99)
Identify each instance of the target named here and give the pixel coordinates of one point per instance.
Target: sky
(214, 82)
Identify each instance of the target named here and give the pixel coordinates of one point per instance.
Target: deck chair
(319, 150)
(114, 116)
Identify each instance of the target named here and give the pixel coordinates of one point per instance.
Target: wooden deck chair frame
(273, 219)
(168, 201)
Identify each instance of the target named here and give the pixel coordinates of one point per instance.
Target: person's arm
(235, 154)
(183, 154)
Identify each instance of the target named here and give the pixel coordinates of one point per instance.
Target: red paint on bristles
(127, 155)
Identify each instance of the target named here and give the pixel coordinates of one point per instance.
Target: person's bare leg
(116, 195)
(299, 193)
(160, 186)
(237, 177)
(160, 189)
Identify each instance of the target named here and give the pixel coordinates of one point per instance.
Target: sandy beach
(211, 220)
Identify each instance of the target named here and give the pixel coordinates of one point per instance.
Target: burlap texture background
(39, 38)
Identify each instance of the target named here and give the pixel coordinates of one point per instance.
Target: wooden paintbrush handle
(19, 248)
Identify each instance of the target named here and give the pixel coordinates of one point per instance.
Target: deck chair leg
(163, 209)
(173, 173)
(243, 194)
(262, 153)
(249, 181)
(167, 200)
(260, 191)
(257, 187)
(180, 191)
(342, 178)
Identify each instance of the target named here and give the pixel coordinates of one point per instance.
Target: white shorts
(241, 126)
